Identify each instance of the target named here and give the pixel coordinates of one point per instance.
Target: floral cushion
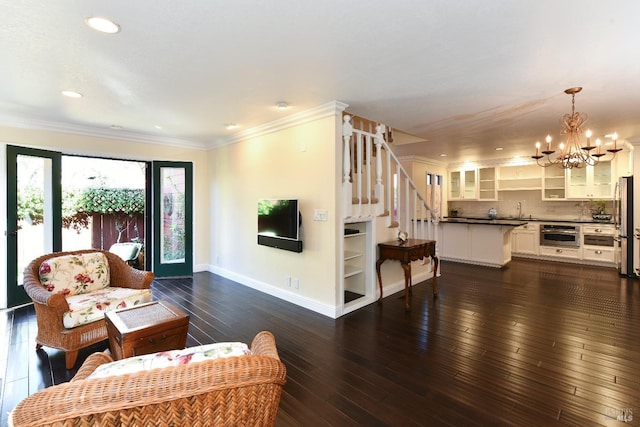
(171, 358)
(75, 274)
(87, 308)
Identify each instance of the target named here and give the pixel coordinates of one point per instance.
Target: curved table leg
(407, 280)
(436, 262)
(378, 264)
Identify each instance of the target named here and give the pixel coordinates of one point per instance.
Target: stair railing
(402, 203)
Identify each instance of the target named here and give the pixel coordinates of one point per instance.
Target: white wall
(295, 162)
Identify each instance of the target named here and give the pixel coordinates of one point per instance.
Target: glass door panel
(470, 184)
(172, 219)
(34, 217)
(455, 185)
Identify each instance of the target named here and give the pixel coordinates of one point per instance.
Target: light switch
(320, 215)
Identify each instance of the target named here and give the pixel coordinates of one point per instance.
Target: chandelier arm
(574, 154)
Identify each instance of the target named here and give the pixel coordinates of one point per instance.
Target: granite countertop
(513, 222)
(509, 220)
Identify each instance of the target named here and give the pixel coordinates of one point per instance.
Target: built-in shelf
(351, 255)
(358, 282)
(350, 270)
(520, 177)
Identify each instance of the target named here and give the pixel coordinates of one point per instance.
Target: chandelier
(574, 153)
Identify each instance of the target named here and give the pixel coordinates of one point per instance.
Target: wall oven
(565, 236)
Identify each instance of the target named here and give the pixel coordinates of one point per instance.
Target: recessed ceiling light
(443, 155)
(499, 148)
(116, 127)
(71, 94)
(231, 126)
(281, 105)
(103, 25)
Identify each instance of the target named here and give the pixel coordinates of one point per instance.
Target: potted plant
(598, 210)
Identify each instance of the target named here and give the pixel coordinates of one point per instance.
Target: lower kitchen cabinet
(598, 254)
(480, 244)
(524, 239)
(572, 253)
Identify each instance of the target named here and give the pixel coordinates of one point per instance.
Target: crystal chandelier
(574, 153)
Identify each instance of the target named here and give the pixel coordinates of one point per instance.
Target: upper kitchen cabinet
(591, 182)
(520, 177)
(553, 183)
(463, 184)
(487, 183)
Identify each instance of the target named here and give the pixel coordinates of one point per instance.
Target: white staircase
(375, 187)
(376, 190)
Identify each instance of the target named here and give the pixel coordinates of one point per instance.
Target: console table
(405, 252)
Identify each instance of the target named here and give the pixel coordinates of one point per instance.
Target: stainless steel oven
(565, 236)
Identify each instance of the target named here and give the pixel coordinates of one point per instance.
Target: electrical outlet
(287, 281)
(296, 283)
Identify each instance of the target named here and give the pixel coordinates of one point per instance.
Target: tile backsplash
(532, 204)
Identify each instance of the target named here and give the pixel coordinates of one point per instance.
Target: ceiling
(462, 76)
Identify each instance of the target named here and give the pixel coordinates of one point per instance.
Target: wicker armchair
(234, 391)
(50, 307)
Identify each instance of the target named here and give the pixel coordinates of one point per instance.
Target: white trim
(420, 159)
(297, 299)
(329, 109)
(122, 135)
(293, 298)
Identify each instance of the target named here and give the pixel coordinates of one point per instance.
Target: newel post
(347, 131)
(378, 189)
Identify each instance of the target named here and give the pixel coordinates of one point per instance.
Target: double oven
(557, 235)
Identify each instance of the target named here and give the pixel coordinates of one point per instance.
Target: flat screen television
(279, 224)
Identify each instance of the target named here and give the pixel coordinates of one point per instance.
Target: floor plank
(535, 343)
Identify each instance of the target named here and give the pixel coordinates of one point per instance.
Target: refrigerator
(624, 222)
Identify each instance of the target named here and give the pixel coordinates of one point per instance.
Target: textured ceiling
(465, 76)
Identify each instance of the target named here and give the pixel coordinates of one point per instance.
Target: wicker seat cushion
(75, 274)
(166, 359)
(90, 307)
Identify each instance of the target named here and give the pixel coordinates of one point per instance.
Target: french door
(34, 216)
(173, 219)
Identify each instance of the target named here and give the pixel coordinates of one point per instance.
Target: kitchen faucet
(519, 207)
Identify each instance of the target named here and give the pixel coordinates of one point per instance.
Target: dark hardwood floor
(533, 344)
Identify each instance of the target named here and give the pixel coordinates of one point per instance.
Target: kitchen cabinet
(553, 183)
(591, 182)
(599, 254)
(570, 253)
(480, 244)
(463, 184)
(599, 243)
(487, 183)
(525, 239)
(520, 177)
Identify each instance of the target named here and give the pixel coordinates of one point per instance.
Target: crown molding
(122, 135)
(633, 141)
(420, 159)
(332, 108)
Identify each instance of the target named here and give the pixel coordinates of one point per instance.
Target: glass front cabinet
(463, 184)
(591, 181)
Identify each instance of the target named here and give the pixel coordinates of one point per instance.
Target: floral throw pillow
(75, 274)
(171, 358)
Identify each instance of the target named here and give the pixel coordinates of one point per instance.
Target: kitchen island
(481, 241)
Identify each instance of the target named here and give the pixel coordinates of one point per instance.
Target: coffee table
(146, 328)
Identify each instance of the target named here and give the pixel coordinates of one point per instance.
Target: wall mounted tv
(279, 222)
